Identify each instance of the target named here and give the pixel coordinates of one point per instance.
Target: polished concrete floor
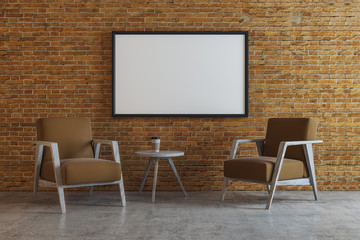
(294, 215)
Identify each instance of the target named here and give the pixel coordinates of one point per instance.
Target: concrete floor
(294, 215)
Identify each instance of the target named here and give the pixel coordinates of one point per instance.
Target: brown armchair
(285, 157)
(66, 157)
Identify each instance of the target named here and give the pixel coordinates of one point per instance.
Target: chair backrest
(73, 136)
(289, 129)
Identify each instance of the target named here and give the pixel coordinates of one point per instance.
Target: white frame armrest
(114, 148)
(116, 155)
(248, 140)
(42, 143)
(282, 150)
(236, 142)
(55, 157)
(307, 145)
(309, 157)
(108, 142)
(294, 143)
(54, 150)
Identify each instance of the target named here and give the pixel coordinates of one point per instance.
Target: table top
(152, 153)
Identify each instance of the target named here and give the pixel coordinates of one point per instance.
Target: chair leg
(62, 199)
(268, 188)
(311, 167)
(122, 192)
(39, 154)
(36, 185)
(276, 172)
(313, 183)
(271, 196)
(91, 191)
(226, 181)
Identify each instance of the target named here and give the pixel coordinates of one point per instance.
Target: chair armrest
(55, 157)
(235, 144)
(107, 142)
(307, 146)
(43, 143)
(114, 147)
(294, 143)
(248, 140)
(284, 144)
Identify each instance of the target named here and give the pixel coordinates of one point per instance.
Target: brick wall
(55, 61)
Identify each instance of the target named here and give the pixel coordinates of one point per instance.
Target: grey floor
(294, 215)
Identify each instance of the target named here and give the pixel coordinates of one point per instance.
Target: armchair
(285, 157)
(67, 157)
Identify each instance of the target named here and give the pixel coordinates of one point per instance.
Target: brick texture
(55, 61)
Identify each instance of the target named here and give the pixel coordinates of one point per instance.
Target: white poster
(180, 74)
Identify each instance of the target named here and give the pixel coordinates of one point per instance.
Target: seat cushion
(261, 168)
(84, 170)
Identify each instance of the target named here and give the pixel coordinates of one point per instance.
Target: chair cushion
(84, 170)
(261, 168)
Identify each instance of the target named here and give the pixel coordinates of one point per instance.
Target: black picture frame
(115, 82)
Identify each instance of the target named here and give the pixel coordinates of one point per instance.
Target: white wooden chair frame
(271, 185)
(54, 151)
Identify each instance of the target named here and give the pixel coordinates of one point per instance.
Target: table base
(155, 175)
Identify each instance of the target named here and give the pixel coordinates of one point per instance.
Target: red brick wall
(55, 61)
